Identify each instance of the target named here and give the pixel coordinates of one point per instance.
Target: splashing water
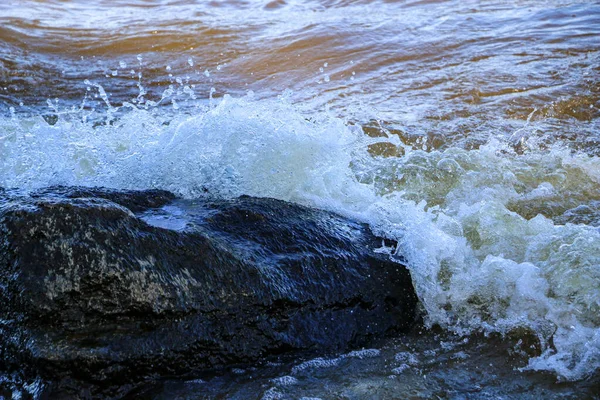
(493, 236)
(466, 131)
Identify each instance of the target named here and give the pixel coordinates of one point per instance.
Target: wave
(500, 238)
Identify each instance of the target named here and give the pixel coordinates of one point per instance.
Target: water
(468, 131)
(410, 367)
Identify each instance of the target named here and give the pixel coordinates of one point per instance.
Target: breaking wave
(500, 238)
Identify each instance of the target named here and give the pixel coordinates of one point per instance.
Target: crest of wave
(478, 261)
(240, 146)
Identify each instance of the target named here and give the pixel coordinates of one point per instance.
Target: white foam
(286, 380)
(480, 258)
(271, 394)
(316, 363)
(364, 353)
(406, 357)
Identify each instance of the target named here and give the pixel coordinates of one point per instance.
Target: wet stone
(102, 291)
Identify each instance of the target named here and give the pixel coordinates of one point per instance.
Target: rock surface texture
(102, 290)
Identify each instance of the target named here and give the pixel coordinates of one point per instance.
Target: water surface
(466, 130)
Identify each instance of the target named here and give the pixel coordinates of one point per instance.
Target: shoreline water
(422, 364)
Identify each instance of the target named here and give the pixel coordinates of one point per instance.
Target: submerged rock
(101, 289)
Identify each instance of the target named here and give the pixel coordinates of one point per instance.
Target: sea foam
(483, 231)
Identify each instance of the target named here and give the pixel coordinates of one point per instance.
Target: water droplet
(168, 67)
(449, 165)
(191, 61)
(327, 78)
(326, 65)
(122, 64)
(206, 73)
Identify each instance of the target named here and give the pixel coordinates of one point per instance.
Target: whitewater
(489, 187)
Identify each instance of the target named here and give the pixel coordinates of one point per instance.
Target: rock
(101, 290)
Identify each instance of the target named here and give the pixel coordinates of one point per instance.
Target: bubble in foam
(406, 357)
(286, 380)
(315, 364)
(364, 353)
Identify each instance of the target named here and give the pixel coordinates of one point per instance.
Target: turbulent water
(466, 130)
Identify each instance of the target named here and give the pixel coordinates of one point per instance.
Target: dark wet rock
(101, 290)
(135, 201)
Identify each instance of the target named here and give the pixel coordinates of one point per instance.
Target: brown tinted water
(449, 71)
